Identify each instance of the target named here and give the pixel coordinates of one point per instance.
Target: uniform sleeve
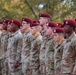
(74, 49)
(19, 47)
(0, 41)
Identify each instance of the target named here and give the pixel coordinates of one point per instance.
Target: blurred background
(58, 9)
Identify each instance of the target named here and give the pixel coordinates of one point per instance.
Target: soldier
(14, 49)
(40, 27)
(0, 47)
(26, 46)
(69, 51)
(44, 18)
(35, 49)
(75, 28)
(1, 27)
(3, 46)
(74, 70)
(49, 48)
(58, 49)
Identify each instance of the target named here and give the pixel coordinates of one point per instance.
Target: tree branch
(31, 8)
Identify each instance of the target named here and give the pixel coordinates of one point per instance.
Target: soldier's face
(13, 27)
(67, 28)
(49, 31)
(8, 28)
(40, 28)
(4, 26)
(56, 37)
(33, 30)
(25, 25)
(42, 20)
(22, 30)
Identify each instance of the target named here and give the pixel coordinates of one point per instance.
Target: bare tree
(31, 8)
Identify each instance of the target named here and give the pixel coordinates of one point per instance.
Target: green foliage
(58, 9)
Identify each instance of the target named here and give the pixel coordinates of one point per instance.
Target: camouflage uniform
(14, 53)
(0, 32)
(3, 49)
(0, 58)
(69, 55)
(42, 53)
(49, 56)
(34, 55)
(25, 56)
(58, 51)
(74, 70)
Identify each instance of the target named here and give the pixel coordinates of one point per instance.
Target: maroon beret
(35, 23)
(58, 30)
(6, 21)
(75, 30)
(27, 20)
(44, 15)
(10, 21)
(70, 23)
(1, 22)
(75, 20)
(52, 24)
(17, 22)
(60, 25)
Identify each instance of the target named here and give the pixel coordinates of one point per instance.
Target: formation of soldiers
(37, 47)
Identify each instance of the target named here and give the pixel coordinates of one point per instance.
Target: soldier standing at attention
(44, 18)
(35, 49)
(74, 70)
(14, 49)
(69, 52)
(58, 49)
(1, 29)
(75, 28)
(49, 48)
(3, 46)
(26, 46)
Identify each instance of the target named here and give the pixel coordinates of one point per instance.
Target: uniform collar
(43, 32)
(5, 33)
(15, 33)
(48, 37)
(58, 44)
(72, 35)
(36, 37)
(27, 32)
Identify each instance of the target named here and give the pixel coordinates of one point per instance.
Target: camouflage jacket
(14, 47)
(26, 47)
(49, 55)
(42, 49)
(58, 52)
(35, 50)
(69, 54)
(3, 44)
